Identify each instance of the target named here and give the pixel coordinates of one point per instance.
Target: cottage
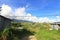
(4, 22)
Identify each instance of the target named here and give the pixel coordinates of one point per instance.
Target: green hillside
(39, 30)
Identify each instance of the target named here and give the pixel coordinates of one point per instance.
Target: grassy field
(48, 35)
(39, 30)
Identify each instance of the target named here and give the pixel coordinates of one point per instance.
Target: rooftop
(4, 17)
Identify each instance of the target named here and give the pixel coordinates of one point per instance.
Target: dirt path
(31, 37)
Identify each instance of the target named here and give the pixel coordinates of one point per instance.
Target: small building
(55, 25)
(4, 22)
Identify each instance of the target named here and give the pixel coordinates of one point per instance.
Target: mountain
(15, 20)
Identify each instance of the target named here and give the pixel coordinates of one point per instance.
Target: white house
(55, 25)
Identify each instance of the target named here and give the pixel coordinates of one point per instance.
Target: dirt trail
(30, 37)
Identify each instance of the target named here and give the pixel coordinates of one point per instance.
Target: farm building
(55, 25)
(4, 22)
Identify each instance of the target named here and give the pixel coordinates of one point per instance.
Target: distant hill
(15, 20)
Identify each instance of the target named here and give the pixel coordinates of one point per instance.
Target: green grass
(40, 30)
(48, 35)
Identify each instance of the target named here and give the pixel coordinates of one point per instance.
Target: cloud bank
(21, 14)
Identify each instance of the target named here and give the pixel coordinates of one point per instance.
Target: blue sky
(36, 7)
(47, 10)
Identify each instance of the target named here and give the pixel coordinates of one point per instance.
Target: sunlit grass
(41, 31)
(48, 35)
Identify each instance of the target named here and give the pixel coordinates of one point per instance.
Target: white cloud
(6, 10)
(58, 18)
(46, 19)
(20, 12)
(28, 14)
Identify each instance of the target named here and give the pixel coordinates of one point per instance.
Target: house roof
(5, 17)
(55, 23)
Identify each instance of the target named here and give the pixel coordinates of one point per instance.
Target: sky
(39, 10)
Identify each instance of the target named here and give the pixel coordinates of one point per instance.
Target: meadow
(39, 30)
